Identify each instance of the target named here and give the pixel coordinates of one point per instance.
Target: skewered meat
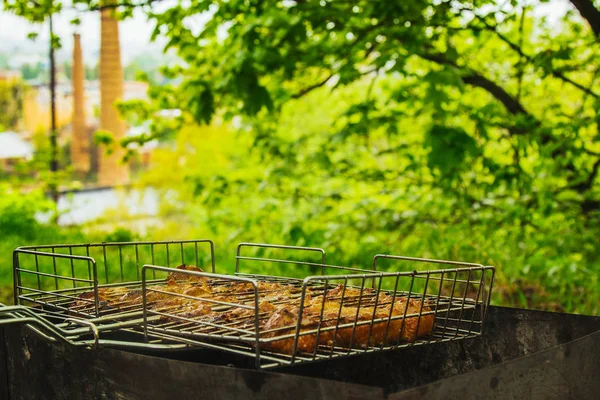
(339, 316)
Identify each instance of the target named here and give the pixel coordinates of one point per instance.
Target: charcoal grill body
(523, 354)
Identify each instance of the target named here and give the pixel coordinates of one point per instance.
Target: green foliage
(68, 70)
(11, 103)
(29, 71)
(544, 260)
(435, 128)
(450, 149)
(4, 58)
(146, 67)
(120, 235)
(18, 226)
(103, 137)
(92, 73)
(18, 213)
(35, 11)
(465, 131)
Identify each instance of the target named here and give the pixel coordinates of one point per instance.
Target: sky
(134, 33)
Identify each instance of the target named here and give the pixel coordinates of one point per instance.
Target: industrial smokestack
(111, 170)
(80, 141)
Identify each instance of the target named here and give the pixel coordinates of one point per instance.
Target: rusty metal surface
(568, 371)
(4, 393)
(510, 334)
(523, 354)
(38, 370)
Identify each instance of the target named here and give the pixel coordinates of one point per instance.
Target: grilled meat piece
(341, 316)
(331, 323)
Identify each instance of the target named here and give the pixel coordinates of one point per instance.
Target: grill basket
(49, 280)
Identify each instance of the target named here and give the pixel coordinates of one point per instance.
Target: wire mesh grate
(284, 305)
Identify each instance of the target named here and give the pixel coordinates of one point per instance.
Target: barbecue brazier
(49, 349)
(82, 293)
(523, 354)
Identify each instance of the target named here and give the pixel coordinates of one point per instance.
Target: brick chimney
(111, 170)
(80, 140)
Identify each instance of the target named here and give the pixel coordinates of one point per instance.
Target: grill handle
(12, 315)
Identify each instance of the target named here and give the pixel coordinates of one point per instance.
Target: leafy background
(455, 130)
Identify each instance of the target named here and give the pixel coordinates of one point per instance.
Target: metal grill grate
(54, 276)
(330, 311)
(455, 298)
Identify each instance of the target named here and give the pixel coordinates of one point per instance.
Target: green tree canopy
(385, 123)
(472, 119)
(493, 87)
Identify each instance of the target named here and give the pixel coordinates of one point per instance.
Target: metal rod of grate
(274, 309)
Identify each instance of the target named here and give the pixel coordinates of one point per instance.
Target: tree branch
(511, 103)
(124, 4)
(556, 73)
(521, 64)
(593, 174)
(476, 79)
(590, 152)
(589, 12)
(319, 84)
(587, 184)
(310, 88)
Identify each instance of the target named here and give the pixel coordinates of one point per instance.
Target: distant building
(13, 148)
(36, 107)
